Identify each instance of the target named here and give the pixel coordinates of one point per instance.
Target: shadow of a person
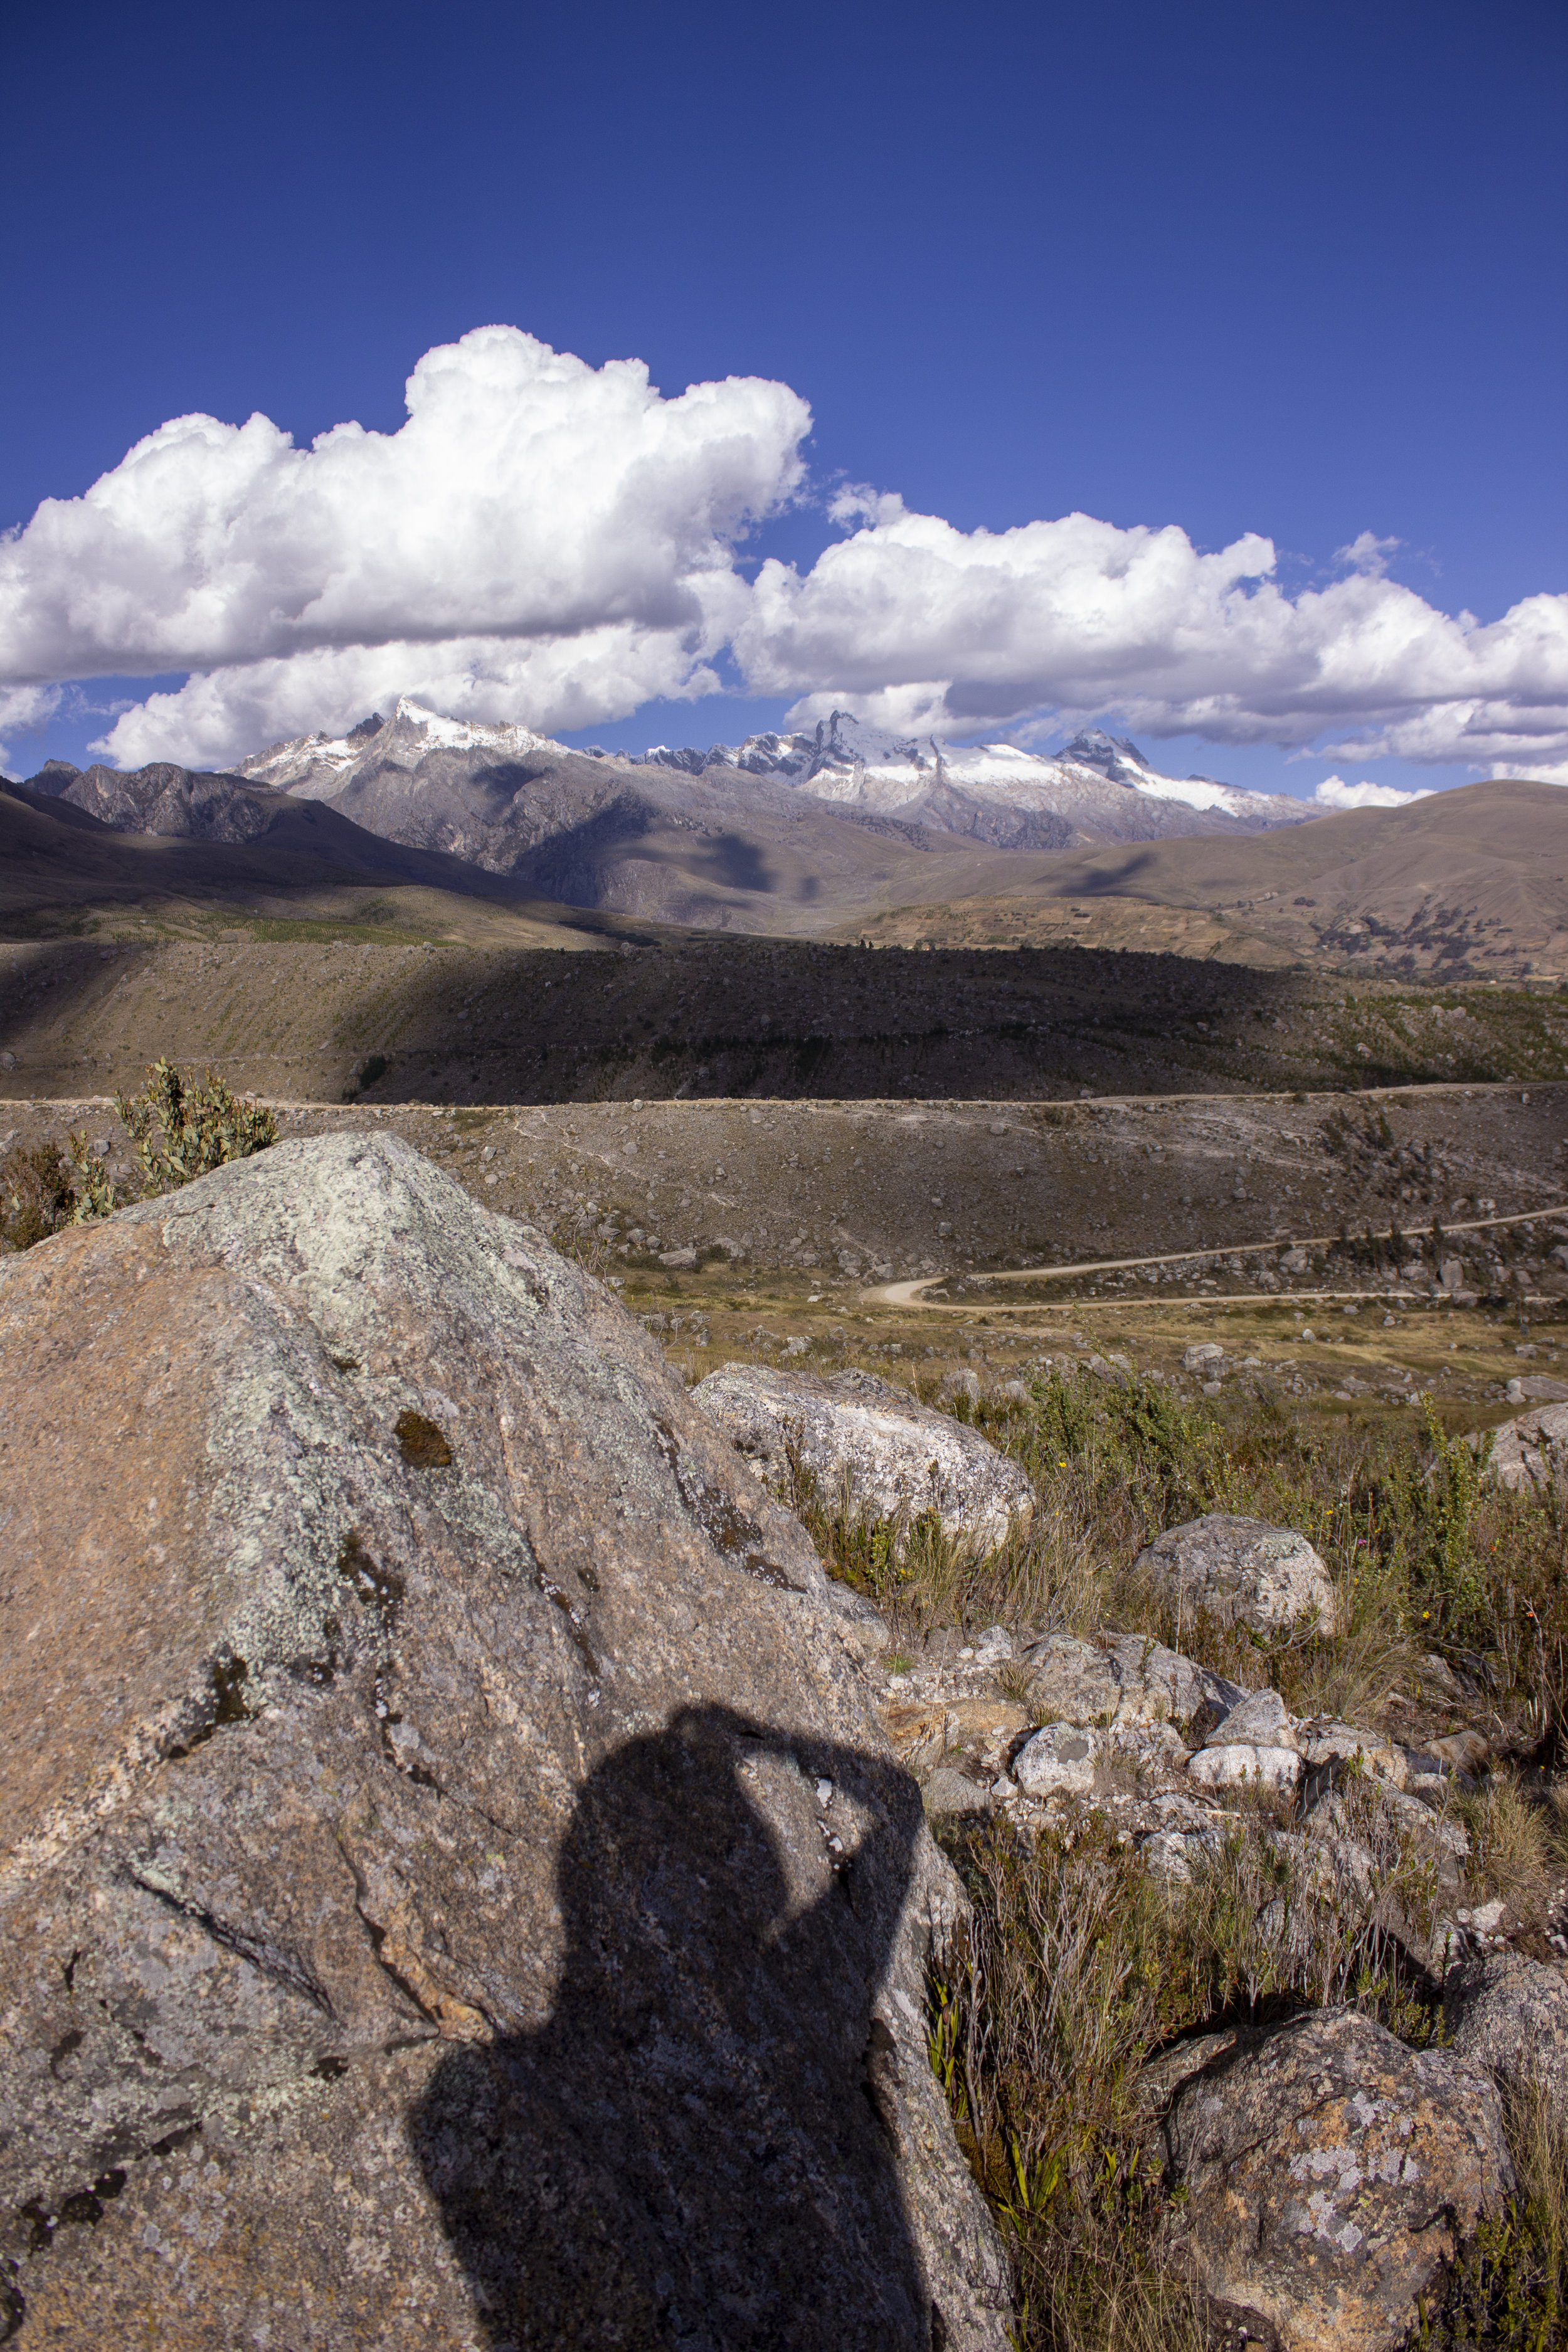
(697, 2149)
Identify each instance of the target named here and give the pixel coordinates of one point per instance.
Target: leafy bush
(182, 1129)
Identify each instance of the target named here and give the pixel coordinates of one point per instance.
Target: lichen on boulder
(453, 1887)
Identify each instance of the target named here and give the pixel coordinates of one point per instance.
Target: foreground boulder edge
(453, 1887)
(870, 1449)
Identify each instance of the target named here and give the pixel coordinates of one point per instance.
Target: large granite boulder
(453, 1888)
(872, 1450)
(1238, 1570)
(1330, 2173)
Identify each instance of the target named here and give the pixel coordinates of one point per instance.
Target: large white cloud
(529, 503)
(921, 626)
(552, 543)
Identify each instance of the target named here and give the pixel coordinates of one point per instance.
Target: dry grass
(1079, 1966)
(1510, 1841)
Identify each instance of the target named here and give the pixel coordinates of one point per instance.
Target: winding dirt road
(906, 1295)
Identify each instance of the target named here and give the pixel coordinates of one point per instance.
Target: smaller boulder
(1205, 1359)
(1123, 1678)
(1529, 1452)
(952, 1792)
(1333, 1751)
(1058, 1761)
(1261, 1720)
(1241, 1571)
(1330, 2175)
(1509, 2015)
(872, 1449)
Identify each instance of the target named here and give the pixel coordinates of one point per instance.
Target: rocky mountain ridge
(1099, 787)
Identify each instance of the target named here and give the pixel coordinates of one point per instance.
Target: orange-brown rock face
(453, 1891)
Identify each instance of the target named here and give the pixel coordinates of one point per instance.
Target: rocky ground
(1304, 1786)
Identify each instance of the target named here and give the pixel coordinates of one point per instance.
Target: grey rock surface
(452, 1886)
(1330, 2173)
(1237, 1570)
(1058, 1761)
(1509, 2015)
(873, 1451)
(1261, 1719)
(1332, 1750)
(1531, 1451)
(1239, 1764)
(1122, 1678)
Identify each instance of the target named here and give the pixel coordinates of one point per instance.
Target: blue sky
(1294, 271)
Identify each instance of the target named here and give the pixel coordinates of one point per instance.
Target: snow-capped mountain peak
(315, 766)
(965, 786)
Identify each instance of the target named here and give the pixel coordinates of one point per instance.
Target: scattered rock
(417, 1898)
(1241, 1571)
(1538, 1386)
(1122, 1678)
(962, 1382)
(1329, 2174)
(1260, 1720)
(1058, 1761)
(1332, 1750)
(1204, 1357)
(679, 1261)
(1529, 1451)
(1240, 1765)
(948, 1791)
(872, 1450)
(1469, 1752)
(1509, 2015)
(919, 1734)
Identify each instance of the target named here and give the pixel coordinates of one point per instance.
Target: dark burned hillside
(735, 1017)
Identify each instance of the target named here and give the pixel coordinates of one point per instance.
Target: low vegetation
(1078, 1967)
(181, 1127)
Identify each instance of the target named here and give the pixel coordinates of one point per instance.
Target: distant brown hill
(62, 869)
(1465, 885)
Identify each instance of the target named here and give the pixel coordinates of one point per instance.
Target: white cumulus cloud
(540, 533)
(918, 626)
(553, 544)
(1335, 794)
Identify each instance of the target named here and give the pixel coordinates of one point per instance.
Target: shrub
(42, 1191)
(182, 1129)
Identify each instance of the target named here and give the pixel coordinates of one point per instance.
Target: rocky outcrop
(452, 1889)
(1330, 2173)
(1241, 1571)
(1510, 2016)
(872, 1450)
